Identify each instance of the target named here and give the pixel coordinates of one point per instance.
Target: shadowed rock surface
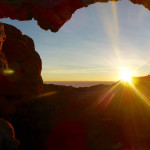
(107, 117)
(24, 61)
(3, 60)
(7, 136)
(22, 79)
(50, 14)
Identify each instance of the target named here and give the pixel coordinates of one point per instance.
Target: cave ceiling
(50, 14)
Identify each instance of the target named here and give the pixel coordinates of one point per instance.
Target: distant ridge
(144, 78)
(79, 83)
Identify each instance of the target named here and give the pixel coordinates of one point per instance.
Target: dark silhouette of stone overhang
(50, 14)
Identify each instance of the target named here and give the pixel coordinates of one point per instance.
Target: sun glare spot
(8, 72)
(126, 75)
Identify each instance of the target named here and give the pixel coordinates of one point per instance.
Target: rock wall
(2, 36)
(7, 136)
(23, 76)
(3, 60)
(50, 14)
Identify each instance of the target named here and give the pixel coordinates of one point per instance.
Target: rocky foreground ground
(107, 117)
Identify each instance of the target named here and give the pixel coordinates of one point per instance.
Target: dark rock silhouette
(21, 78)
(104, 117)
(50, 14)
(2, 36)
(107, 117)
(67, 135)
(55, 119)
(7, 136)
(3, 60)
(24, 61)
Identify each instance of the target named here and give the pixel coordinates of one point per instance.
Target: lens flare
(8, 72)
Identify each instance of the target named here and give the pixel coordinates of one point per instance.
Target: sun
(126, 75)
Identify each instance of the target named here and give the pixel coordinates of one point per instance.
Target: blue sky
(95, 44)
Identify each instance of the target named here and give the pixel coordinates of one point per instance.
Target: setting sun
(126, 76)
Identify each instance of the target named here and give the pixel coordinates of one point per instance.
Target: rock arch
(50, 14)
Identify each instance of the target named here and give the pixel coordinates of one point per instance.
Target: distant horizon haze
(79, 83)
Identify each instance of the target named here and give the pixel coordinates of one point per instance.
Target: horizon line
(80, 81)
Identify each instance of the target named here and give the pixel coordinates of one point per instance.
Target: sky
(95, 45)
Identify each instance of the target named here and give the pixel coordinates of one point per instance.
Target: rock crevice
(3, 60)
